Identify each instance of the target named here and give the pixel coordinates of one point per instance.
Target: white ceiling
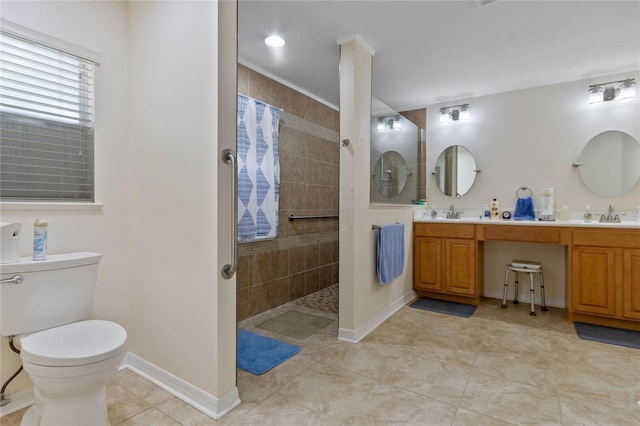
(430, 52)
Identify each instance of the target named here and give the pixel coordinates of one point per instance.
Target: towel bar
(524, 188)
(374, 227)
(325, 216)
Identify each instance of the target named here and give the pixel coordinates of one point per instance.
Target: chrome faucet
(611, 216)
(452, 213)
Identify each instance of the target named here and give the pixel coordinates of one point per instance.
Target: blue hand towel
(524, 209)
(390, 252)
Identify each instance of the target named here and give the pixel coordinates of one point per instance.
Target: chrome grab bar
(322, 216)
(229, 157)
(16, 279)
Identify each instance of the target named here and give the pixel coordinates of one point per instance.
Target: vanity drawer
(604, 237)
(447, 230)
(530, 234)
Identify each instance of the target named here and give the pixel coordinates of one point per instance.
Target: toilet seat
(78, 343)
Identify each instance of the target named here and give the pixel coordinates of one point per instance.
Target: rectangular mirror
(398, 160)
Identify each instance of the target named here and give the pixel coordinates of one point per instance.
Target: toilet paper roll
(10, 242)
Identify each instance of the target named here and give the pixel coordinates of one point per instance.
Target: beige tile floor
(499, 367)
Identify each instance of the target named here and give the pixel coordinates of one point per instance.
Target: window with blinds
(46, 123)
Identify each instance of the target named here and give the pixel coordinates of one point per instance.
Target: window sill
(9, 205)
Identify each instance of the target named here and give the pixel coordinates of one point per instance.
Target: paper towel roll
(10, 242)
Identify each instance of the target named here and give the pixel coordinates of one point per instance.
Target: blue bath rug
(444, 307)
(258, 354)
(612, 336)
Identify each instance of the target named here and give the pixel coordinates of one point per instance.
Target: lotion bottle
(495, 209)
(40, 231)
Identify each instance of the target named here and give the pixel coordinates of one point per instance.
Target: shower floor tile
(297, 325)
(323, 300)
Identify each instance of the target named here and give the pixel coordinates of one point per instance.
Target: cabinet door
(593, 280)
(426, 263)
(459, 266)
(631, 279)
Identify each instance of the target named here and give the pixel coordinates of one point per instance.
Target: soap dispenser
(587, 215)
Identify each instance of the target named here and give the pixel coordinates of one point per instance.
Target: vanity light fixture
(628, 89)
(274, 41)
(464, 112)
(454, 113)
(595, 94)
(391, 123)
(623, 89)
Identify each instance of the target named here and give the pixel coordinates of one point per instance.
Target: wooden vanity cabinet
(594, 269)
(631, 283)
(427, 264)
(445, 262)
(459, 271)
(605, 274)
(603, 265)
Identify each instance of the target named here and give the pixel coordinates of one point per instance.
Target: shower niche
(397, 155)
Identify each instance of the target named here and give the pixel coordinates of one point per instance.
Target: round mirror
(455, 171)
(610, 163)
(390, 174)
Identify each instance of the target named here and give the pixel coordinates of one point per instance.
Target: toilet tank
(55, 291)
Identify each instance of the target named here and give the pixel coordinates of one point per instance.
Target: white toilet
(68, 360)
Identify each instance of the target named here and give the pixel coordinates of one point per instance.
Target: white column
(355, 117)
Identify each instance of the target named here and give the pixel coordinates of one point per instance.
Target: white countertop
(511, 222)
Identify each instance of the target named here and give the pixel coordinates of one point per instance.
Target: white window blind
(46, 122)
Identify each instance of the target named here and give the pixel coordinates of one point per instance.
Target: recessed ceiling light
(274, 41)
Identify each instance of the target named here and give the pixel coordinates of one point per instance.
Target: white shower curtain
(258, 169)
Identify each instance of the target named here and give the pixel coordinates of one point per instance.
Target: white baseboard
(354, 336)
(197, 398)
(210, 405)
(19, 400)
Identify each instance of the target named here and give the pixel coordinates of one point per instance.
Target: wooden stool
(530, 268)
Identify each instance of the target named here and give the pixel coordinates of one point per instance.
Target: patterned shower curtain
(258, 169)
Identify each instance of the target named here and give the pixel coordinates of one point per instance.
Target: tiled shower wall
(303, 258)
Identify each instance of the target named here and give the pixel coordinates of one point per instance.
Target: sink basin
(460, 219)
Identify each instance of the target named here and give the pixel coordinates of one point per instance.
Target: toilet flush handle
(16, 279)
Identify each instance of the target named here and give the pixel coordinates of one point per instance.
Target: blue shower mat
(258, 354)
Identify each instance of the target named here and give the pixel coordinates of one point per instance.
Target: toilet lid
(78, 343)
